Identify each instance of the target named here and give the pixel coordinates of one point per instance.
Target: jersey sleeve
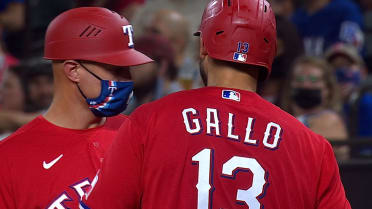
(6, 192)
(119, 181)
(331, 192)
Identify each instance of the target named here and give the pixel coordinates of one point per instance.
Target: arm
(331, 192)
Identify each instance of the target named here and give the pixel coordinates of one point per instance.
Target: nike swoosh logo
(49, 165)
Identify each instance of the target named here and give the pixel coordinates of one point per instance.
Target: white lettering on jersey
(270, 138)
(230, 129)
(186, 119)
(58, 203)
(268, 135)
(93, 184)
(215, 124)
(248, 133)
(79, 187)
(314, 46)
(128, 30)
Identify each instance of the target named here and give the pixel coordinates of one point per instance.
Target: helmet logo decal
(128, 30)
(241, 52)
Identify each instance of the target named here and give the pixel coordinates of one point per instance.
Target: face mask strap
(96, 76)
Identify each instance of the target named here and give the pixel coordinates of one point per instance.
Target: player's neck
(66, 113)
(232, 78)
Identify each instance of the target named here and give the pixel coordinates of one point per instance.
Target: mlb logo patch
(240, 57)
(230, 94)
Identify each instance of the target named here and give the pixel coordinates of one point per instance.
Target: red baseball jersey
(217, 148)
(43, 166)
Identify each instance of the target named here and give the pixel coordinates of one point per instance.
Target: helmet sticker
(241, 52)
(128, 30)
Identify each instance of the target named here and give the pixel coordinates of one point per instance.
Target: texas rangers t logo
(128, 30)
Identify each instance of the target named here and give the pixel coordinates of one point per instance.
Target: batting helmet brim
(125, 58)
(129, 57)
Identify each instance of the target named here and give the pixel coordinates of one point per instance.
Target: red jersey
(217, 148)
(43, 166)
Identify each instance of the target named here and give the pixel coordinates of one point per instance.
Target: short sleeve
(119, 181)
(331, 193)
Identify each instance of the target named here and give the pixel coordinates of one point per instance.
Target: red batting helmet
(92, 34)
(242, 31)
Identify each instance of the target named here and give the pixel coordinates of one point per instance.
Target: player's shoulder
(294, 129)
(114, 122)
(169, 101)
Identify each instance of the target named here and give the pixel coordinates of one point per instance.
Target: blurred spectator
(12, 101)
(289, 48)
(311, 96)
(349, 68)
(126, 8)
(26, 91)
(12, 91)
(39, 85)
(283, 8)
(321, 23)
(156, 79)
(12, 20)
(367, 13)
(6, 60)
(12, 14)
(351, 77)
(191, 11)
(175, 28)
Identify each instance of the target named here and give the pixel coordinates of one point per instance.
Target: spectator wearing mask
(352, 78)
(349, 68)
(312, 97)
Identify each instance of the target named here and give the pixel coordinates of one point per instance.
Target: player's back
(223, 148)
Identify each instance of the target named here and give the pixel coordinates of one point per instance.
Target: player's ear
(202, 50)
(70, 68)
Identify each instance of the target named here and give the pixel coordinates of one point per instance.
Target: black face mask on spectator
(307, 98)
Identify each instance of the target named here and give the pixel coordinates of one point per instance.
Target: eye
(300, 79)
(314, 79)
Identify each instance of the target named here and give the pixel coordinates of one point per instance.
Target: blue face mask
(113, 99)
(345, 75)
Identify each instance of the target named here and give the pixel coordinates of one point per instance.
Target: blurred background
(321, 75)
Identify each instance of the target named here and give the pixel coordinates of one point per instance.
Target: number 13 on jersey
(230, 169)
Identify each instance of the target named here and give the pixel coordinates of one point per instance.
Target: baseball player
(51, 161)
(221, 146)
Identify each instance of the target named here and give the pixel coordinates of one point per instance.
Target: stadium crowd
(321, 74)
